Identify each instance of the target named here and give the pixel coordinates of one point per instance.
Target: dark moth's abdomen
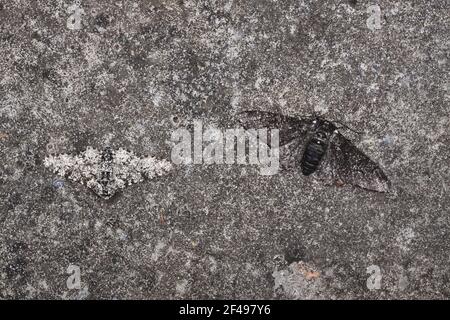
(312, 155)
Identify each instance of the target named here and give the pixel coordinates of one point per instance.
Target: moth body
(316, 147)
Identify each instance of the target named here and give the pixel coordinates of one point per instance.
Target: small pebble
(58, 184)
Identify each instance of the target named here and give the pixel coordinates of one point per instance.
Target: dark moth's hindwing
(349, 165)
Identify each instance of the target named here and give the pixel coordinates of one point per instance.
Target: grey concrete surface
(126, 74)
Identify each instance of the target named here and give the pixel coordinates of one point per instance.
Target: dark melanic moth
(107, 171)
(315, 146)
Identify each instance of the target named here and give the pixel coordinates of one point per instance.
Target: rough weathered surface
(126, 74)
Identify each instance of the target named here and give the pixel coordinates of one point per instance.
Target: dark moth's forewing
(290, 128)
(293, 133)
(349, 165)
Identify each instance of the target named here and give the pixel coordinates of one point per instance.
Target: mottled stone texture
(126, 74)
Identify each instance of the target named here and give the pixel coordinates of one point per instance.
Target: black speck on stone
(294, 253)
(102, 20)
(13, 200)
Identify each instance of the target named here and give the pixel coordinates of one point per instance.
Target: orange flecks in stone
(307, 271)
(3, 135)
(311, 274)
(339, 183)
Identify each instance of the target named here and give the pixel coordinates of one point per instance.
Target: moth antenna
(311, 117)
(347, 127)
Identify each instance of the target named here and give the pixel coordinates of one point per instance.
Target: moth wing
(126, 168)
(291, 154)
(95, 186)
(74, 167)
(152, 167)
(87, 165)
(349, 165)
(61, 164)
(130, 168)
(290, 128)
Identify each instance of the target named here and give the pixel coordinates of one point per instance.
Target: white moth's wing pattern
(89, 166)
(80, 168)
(131, 169)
